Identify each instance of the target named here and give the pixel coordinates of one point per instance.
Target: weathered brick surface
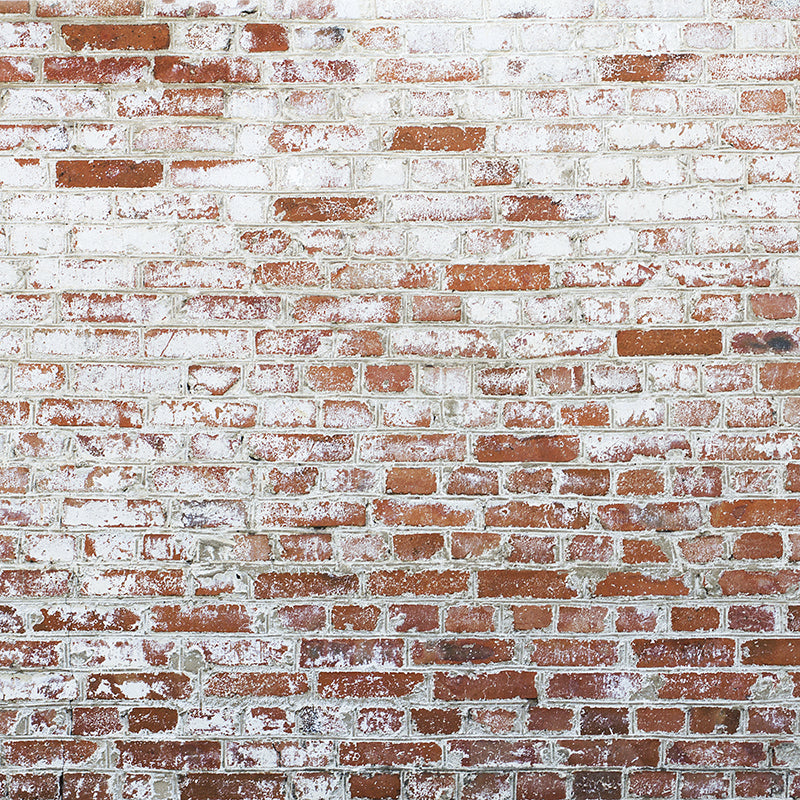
(399, 399)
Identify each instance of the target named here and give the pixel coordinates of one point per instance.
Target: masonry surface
(400, 399)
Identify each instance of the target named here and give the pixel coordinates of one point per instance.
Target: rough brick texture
(400, 399)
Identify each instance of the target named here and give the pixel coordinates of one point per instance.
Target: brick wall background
(400, 399)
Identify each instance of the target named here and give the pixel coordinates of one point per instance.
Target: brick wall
(400, 399)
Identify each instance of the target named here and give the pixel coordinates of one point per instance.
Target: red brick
(139, 686)
(324, 209)
(493, 172)
(441, 137)
(504, 448)
(222, 618)
(637, 68)
(524, 583)
(433, 308)
(108, 173)
(544, 208)
(473, 481)
(355, 618)
(394, 583)
(774, 306)
(500, 685)
(519, 514)
(254, 684)
(388, 378)
(205, 786)
(199, 102)
(315, 71)
(170, 755)
(574, 652)
(716, 754)
(261, 37)
(765, 342)
(398, 70)
(752, 513)
(436, 721)
(368, 684)
(682, 653)
(384, 786)
(77, 69)
(152, 720)
(675, 342)
(310, 584)
(116, 36)
(500, 277)
(635, 584)
(175, 69)
(13, 69)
